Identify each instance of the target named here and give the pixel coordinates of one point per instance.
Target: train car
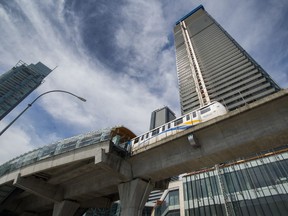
(205, 113)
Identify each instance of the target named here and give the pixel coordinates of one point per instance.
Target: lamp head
(82, 99)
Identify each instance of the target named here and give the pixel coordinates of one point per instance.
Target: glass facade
(255, 186)
(170, 204)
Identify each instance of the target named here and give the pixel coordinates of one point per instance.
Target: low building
(251, 186)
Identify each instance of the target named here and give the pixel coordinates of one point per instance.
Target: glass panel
(174, 197)
(90, 140)
(30, 158)
(68, 146)
(47, 151)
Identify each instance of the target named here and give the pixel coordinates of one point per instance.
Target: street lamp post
(29, 105)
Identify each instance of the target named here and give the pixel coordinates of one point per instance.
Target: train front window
(136, 140)
(205, 110)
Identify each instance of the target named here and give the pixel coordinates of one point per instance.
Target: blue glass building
(18, 83)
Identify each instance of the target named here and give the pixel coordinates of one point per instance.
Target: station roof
(64, 146)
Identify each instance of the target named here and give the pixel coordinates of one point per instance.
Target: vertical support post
(133, 196)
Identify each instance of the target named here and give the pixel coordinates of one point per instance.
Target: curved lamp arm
(30, 104)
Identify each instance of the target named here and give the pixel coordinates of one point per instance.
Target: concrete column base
(66, 207)
(133, 196)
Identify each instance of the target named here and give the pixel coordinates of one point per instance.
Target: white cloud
(142, 33)
(14, 142)
(110, 100)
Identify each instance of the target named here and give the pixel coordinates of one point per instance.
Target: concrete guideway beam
(39, 188)
(66, 207)
(133, 196)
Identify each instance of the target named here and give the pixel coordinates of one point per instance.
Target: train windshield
(205, 110)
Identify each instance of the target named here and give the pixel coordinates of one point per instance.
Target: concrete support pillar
(133, 196)
(66, 207)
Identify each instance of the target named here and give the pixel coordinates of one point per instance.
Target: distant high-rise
(211, 65)
(161, 116)
(18, 83)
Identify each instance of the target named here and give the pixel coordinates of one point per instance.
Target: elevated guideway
(96, 175)
(256, 127)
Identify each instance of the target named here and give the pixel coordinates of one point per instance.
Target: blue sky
(119, 55)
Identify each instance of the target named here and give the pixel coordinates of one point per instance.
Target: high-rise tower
(211, 65)
(161, 116)
(18, 83)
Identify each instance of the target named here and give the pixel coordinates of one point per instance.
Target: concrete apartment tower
(161, 116)
(18, 83)
(212, 66)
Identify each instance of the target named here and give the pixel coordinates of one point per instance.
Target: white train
(197, 116)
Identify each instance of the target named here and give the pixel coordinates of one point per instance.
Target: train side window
(147, 135)
(156, 131)
(187, 117)
(163, 128)
(169, 125)
(205, 110)
(178, 121)
(142, 137)
(194, 114)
